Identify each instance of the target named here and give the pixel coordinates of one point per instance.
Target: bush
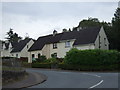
(92, 59)
(89, 67)
(24, 59)
(41, 65)
(41, 59)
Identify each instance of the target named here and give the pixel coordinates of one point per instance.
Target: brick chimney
(54, 32)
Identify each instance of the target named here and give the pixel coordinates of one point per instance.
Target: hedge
(89, 67)
(92, 57)
(41, 65)
(91, 60)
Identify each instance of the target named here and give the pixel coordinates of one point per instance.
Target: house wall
(46, 50)
(85, 46)
(16, 54)
(61, 49)
(24, 52)
(5, 52)
(104, 44)
(35, 53)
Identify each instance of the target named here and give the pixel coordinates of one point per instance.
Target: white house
(21, 49)
(60, 43)
(7, 48)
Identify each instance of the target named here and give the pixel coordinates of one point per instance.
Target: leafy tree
(88, 23)
(12, 37)
(116, 30)
(91, 22)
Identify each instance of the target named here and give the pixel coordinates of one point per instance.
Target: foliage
(91, 22)
(41, 58)
(51, 61)
(113, 67)
(41, 65)
(13, 37)
(116, 30)
(92, 58)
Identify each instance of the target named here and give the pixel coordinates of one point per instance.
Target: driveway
(69, 79)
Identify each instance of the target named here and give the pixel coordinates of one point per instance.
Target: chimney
(79, 28)
(54, 32)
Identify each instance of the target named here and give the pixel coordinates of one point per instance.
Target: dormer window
(54, 45)
(67, 44)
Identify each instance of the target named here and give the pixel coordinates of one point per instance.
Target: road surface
(71, 79)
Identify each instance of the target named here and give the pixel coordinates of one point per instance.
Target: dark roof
(87, 36)
(14, 44)
(41, 41)
(20, 45)
(84, 36)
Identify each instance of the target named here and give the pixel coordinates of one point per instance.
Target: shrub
(41, 59)
(52, 61)
(41, 65)
(91, 59)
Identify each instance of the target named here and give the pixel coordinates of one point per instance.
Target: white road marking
(92, 74)
(96, 84)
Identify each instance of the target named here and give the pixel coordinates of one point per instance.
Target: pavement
(32, 79)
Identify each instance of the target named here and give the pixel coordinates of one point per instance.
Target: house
(21, 48)
(7, 48)
(60, 43)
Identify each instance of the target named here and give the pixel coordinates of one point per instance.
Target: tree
(12, 37)
(88, 23)
(116, 30)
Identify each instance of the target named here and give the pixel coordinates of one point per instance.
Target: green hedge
(41, 65)
(91, 60)
(92, 57)
(89, 67)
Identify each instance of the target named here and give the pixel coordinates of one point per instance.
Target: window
(39, 55)
(105, 41)
(17, 55)
(33, 57)
(67, 44)
(54, 55)
(54, 45)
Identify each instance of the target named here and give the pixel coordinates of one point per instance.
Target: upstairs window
(67, 44)
(54, 45)
(105, 42)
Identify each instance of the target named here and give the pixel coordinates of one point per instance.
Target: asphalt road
(69, 79)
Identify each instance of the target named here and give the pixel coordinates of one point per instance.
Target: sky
(41, 18)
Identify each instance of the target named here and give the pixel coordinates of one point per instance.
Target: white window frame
(54, 45)
(67, 44)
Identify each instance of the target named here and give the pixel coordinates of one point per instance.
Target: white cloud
(39, 19)
(24, 24)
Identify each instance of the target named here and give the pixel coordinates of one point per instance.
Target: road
(69, 79)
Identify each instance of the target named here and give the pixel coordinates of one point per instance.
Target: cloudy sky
(41, 18)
